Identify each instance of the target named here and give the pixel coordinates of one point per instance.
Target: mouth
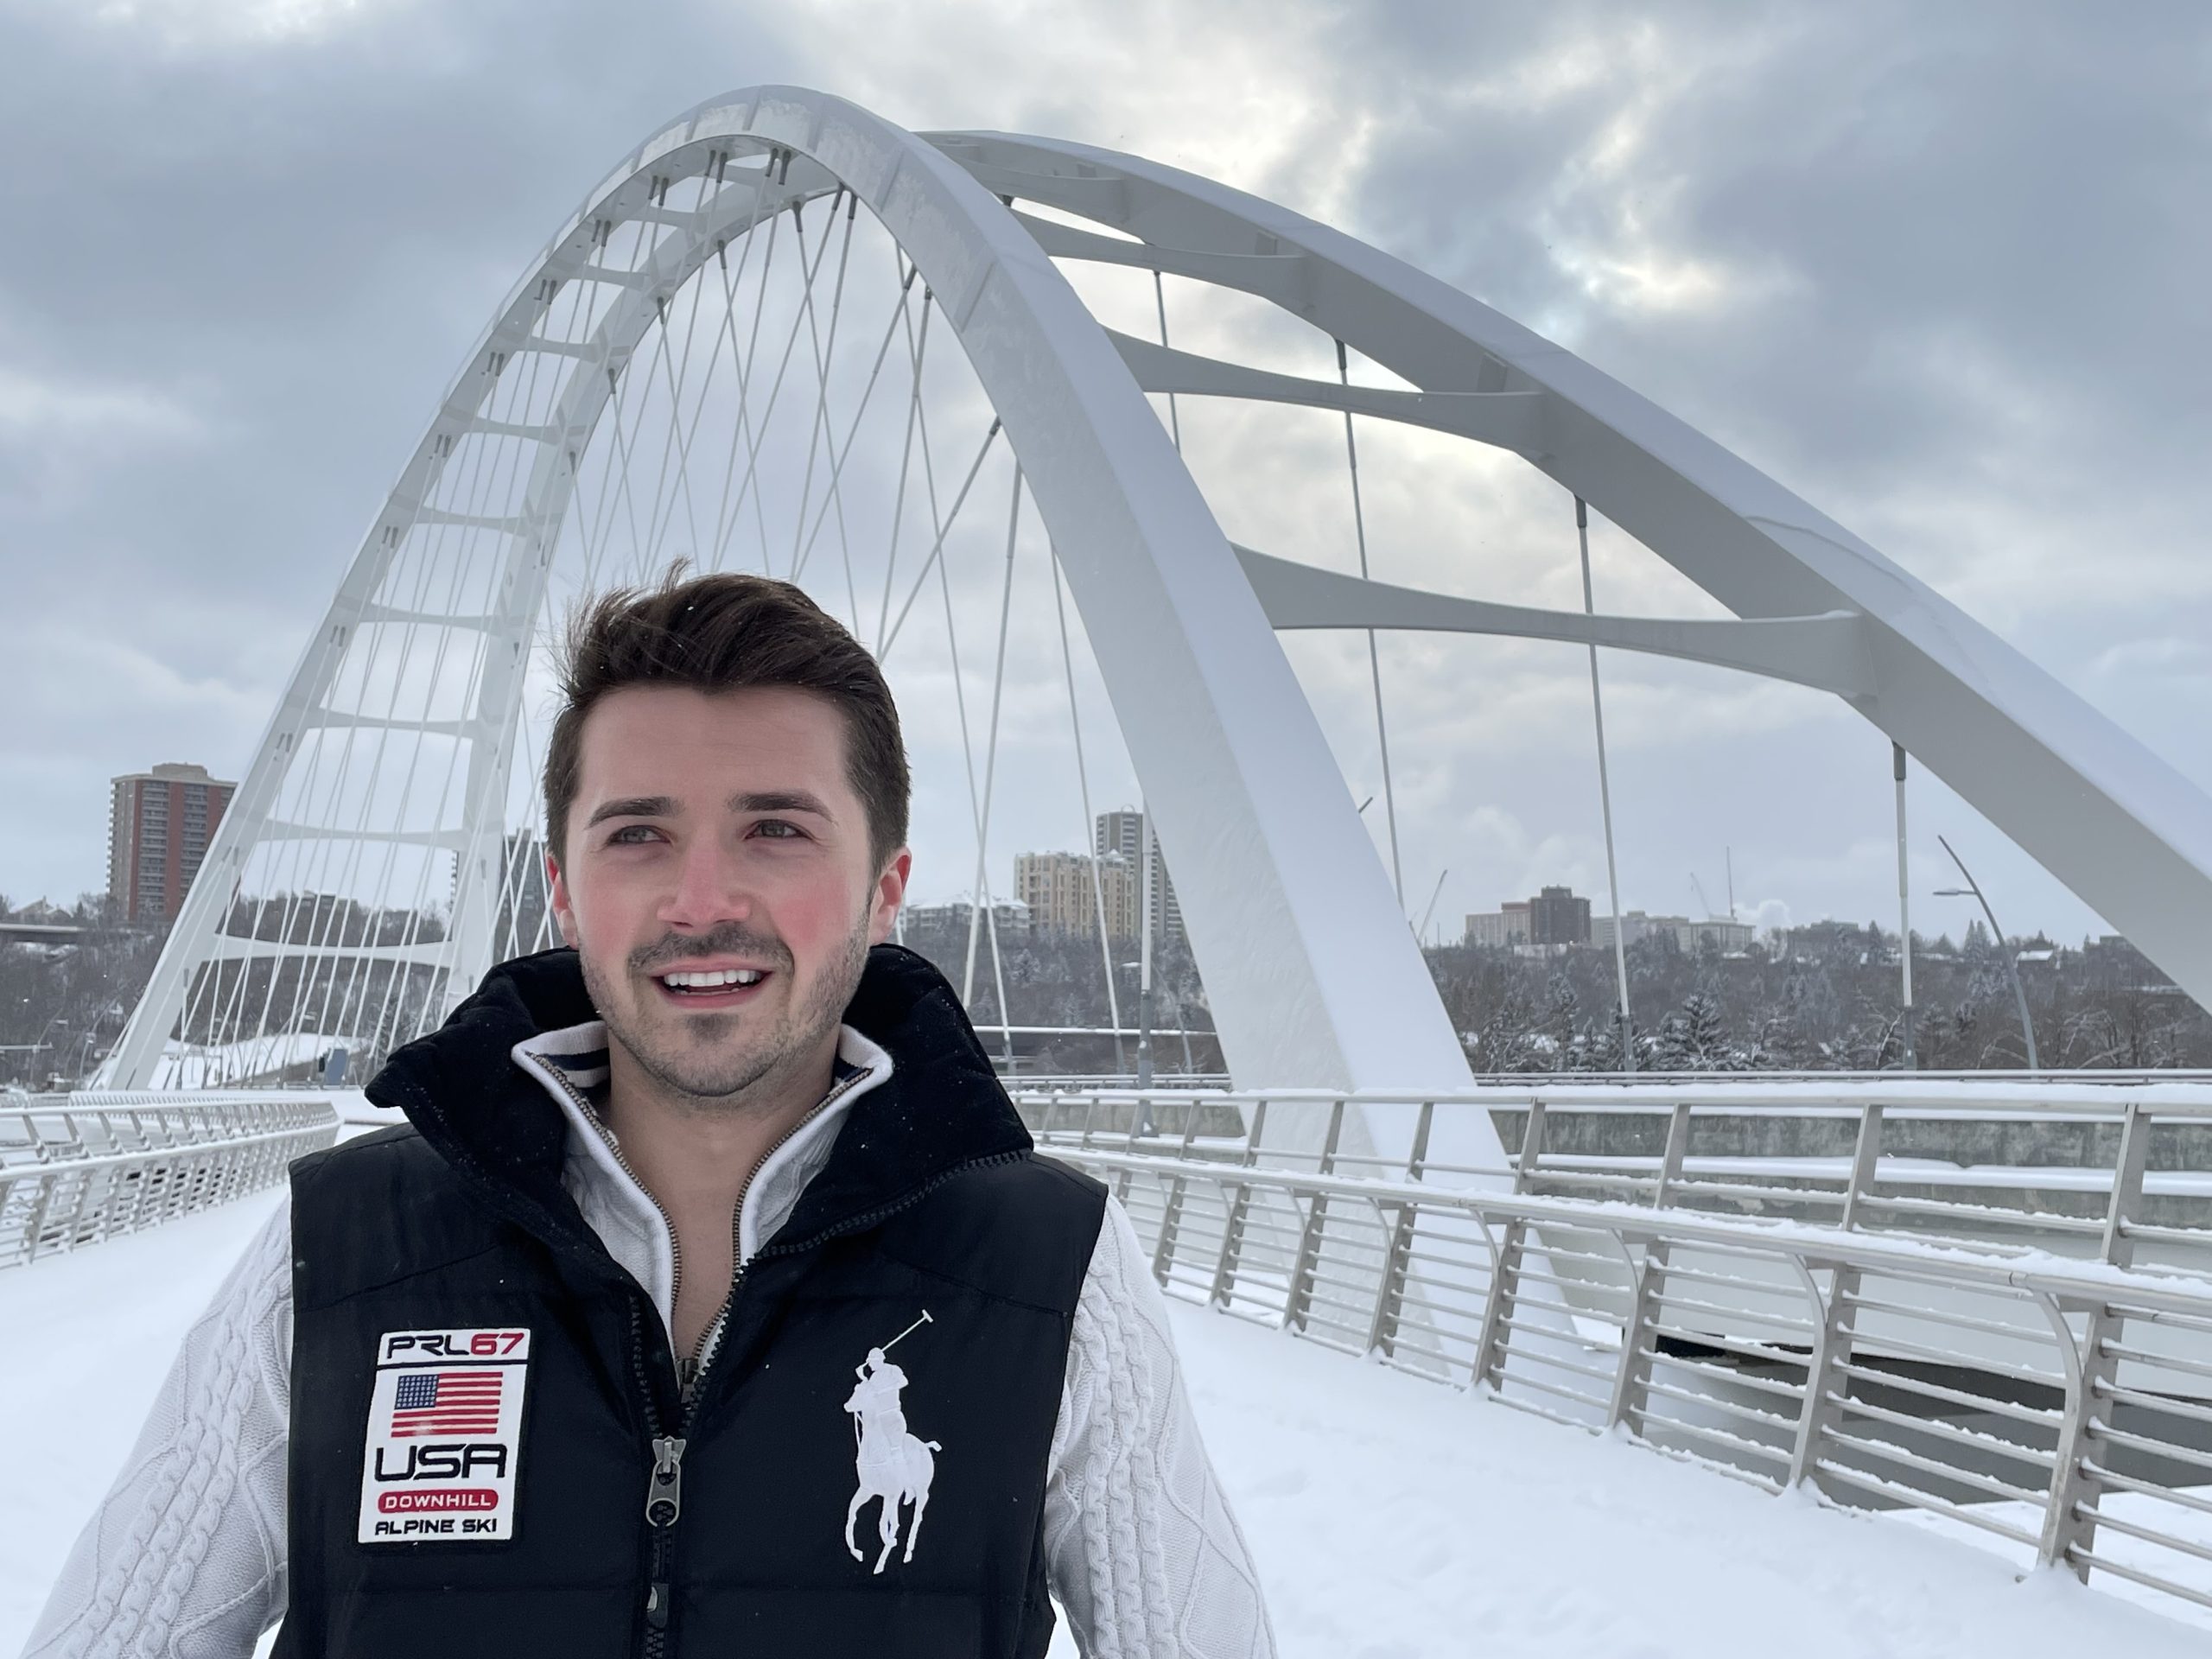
(711, 988)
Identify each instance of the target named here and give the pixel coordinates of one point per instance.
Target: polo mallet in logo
(908, 1331)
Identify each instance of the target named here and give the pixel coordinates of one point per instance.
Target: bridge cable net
(729, 363)
(748, 374)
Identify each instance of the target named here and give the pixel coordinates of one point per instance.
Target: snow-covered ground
(1389, 1516)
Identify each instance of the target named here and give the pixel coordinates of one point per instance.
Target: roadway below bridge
(1389, 1516)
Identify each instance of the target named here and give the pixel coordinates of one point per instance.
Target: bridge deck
(1389, 1516)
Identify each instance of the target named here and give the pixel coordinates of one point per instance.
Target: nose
(710, 888)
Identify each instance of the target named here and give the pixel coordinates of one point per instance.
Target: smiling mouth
(712, 987)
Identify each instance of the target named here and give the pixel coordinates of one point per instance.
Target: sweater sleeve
(1142, 1550)
(184, 1557)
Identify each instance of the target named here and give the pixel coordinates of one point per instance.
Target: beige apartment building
(1059, 891)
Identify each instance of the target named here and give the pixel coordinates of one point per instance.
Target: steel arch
(2124, 830)
(1314, 978)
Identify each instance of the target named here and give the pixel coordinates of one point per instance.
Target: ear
(890, 893)
(565, 908)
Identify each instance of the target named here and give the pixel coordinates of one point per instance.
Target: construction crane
(1421, 932)
(1704, 902)
(1710, 914)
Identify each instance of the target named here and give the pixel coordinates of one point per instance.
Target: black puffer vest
(460, 1488)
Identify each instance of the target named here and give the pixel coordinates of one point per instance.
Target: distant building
(1636, 927)
(1010, 917)
(1555, 916)
(1064, 892)
(159, 825)
(1503, 929)
(1716, 934)
(1123, 832)
(1719, 935)
(1827, 937)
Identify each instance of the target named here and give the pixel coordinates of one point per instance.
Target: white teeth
(720, 977)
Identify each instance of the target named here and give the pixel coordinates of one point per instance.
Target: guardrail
(79, 1168)
(1879, 1351)
(2040, 1164)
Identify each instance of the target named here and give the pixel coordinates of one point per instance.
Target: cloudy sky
(1938, 269)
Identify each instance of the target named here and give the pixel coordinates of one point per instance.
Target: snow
(1394, 1517)
(191, 1066)
(1390, 1516)
(89, 1336)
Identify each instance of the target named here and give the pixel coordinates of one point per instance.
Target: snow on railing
(79, 1168)
(1811, 1329)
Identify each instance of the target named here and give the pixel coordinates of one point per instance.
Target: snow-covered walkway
(1390, 1516)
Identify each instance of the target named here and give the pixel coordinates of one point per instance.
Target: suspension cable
(990, 774)
(1605, 797)
(819, 430)
(1374, 657)
(937, 547)
(915, 353)
(1174, 419)
(1083, 784)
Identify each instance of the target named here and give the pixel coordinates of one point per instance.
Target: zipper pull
(665, 1496)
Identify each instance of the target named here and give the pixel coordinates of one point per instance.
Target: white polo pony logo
(892, 1465)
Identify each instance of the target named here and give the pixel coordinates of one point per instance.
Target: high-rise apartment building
(1059, 891)
(1559, 916)
(1123, 832)
(1555, 916)
(159, 825)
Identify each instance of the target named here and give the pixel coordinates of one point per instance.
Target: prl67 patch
(444, 1437)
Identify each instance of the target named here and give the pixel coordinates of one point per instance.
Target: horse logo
(893, 1466)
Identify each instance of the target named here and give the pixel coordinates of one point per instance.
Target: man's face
(715, 834)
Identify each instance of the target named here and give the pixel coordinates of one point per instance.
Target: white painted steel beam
(2119, 826)
(1826, 653)
(1506, 419)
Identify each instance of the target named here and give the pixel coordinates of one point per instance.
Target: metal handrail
(1987, 1382)
(1881, 1162)
(77, 1169)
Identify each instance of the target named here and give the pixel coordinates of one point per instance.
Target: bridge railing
(79, 1168)
(2083, 1168)
(2059, 1405)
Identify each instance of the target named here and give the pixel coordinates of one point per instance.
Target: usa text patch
(444, 1436)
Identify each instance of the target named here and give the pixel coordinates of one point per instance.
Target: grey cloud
(1963, 243)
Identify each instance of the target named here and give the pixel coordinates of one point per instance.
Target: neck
(692, 1150)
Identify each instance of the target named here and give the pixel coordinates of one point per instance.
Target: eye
(632, 834)
(778, 829)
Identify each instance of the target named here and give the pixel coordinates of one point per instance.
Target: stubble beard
(705, 1063)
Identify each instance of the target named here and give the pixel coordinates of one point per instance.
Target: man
(555, 1369)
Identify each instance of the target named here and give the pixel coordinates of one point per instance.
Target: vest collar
(940, 1110)
(571, 1064)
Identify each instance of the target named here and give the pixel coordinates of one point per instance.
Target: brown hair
(723, 633)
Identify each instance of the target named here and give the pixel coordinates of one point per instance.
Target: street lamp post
(2012, 962)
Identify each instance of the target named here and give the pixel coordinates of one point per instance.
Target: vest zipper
(664, 1504)
(710, 1339)
(665, 1487)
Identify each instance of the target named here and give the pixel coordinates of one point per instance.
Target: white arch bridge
(694, 365)
(931, 379)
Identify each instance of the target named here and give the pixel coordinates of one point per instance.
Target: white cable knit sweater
(185, 1557)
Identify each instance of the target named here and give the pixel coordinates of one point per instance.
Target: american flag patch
(447, 1402)
(444, 1437)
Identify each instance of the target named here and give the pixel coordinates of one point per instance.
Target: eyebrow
(780, 800)
(633, 806)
